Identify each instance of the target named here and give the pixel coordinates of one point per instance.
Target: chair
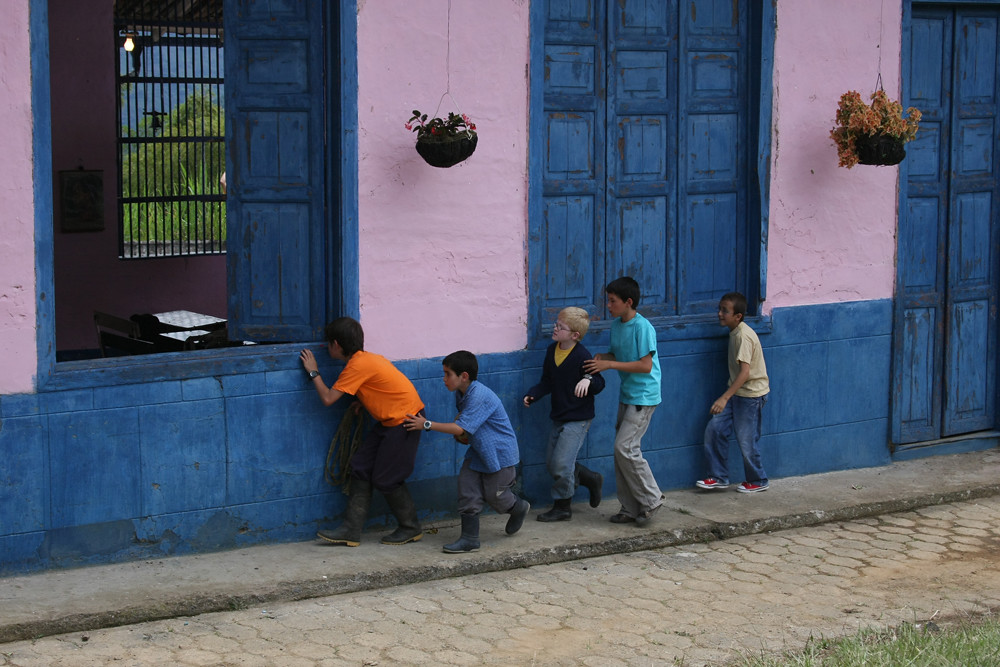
(117, 336)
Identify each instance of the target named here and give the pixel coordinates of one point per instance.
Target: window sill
(174, 366)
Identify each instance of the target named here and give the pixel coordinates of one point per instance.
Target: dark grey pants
(491, 488)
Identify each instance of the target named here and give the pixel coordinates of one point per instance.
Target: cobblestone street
(691, 605)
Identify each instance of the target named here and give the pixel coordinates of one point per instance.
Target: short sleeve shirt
(386, 393)
(492, 442)
(744, 346)
(631, 341)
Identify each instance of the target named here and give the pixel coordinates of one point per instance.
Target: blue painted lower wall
(174, 465)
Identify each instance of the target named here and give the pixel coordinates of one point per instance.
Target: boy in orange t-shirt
(387, 456)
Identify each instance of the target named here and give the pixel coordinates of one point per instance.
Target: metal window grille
(171, 138)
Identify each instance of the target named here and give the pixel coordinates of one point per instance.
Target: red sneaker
(750, 487)
(711, 483)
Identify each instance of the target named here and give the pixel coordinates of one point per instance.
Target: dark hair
(462, 361)
(624, 288)
(348, 334)
(739, 302)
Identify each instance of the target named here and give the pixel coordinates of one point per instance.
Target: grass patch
(970, 642)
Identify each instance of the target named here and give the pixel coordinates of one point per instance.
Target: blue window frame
(291, 74)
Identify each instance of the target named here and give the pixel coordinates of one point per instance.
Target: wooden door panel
(642, 112)
(640, 226)
(573, 171)
(277, 236)
(708, 246)
(923, 236)
(919, 396)
(969, 379)
(970, 346)
(569, 253)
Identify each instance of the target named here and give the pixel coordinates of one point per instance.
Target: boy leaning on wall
(388, 454)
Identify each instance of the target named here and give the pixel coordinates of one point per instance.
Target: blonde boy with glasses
(572, 411)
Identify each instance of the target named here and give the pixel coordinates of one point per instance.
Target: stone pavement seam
(483, 562)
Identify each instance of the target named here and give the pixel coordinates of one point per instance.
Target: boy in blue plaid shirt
(488, 471)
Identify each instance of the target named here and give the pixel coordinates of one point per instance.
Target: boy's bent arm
(414, 422)
(328, 395)
(740, 380)
(604, 362)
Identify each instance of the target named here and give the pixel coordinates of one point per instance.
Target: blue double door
(945, 340)
(645, 167)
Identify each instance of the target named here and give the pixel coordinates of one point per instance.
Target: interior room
(138, 158)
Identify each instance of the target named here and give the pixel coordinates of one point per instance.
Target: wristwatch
(313, 374)
(427, 425)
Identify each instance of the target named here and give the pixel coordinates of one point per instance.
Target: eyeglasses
(559, 326)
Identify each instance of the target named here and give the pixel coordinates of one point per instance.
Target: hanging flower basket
(879, 149)
(444, 142)
(449, 152)
(872, 134)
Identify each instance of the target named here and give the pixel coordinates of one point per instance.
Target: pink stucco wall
(832, 230)
(443, 252)
(17, 215)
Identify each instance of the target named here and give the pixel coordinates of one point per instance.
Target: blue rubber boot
(469, 541)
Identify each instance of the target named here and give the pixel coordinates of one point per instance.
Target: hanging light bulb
(129, 44)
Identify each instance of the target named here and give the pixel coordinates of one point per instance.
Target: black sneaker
(645, 517)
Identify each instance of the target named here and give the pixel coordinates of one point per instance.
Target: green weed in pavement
(968, 643)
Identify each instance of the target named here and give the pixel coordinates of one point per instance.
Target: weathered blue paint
(643, 118)
(342, 176)
(949, 242)
(762, 79)
(276, 111)
(41, 137)
(211, 461)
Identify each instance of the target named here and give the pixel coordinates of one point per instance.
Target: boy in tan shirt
(737, 412)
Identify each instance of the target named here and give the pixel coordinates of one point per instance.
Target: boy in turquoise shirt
(633, 355)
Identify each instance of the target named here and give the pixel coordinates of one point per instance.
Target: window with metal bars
(171, 137)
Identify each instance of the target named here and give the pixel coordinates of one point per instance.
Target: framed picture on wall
(81, 200)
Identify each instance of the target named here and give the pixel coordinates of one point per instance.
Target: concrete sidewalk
(55, 602)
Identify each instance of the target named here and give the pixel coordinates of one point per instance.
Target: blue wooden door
(644, 166)
(946, 313)
(277, 233)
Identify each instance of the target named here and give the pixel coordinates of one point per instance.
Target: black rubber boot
(562, 510)
(469, 541)
(349, 532)
(408, 528)
(592, 481)
(517, 514)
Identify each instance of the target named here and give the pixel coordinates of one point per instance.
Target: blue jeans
(565, 441)
(740, 419)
